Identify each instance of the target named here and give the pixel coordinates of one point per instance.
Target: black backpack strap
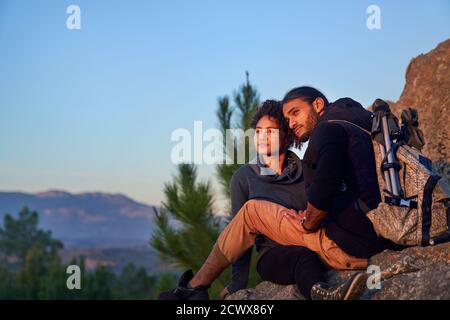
(349, 122)
(427, 201)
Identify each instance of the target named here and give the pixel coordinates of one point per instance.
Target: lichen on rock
(430, 279)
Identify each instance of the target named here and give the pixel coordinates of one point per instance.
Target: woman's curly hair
(274, 110)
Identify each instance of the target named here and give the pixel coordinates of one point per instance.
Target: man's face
(302, 118)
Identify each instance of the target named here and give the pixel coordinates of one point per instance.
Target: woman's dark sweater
(248, 183)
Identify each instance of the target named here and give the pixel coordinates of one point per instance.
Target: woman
(277, 177)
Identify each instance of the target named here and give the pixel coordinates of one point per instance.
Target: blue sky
(93, 109)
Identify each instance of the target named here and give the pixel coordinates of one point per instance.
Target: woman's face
(267, 136)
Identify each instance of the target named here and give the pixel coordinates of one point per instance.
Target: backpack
(421, 215)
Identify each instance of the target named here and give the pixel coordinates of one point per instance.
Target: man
(339, 169)
(341, 183)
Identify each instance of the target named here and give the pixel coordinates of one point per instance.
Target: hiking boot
(184, 292)
(352, 289)
(192, 287)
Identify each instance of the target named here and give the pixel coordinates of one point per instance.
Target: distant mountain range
(86, 220)
(118, 258)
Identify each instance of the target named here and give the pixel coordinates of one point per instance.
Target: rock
(268, 291)
(431, 282)
(427, 89)
(423, 256)
(429, 279)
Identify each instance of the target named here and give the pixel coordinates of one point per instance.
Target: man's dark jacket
(340, 177)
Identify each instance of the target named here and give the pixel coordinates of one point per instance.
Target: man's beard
(310, 125)
(304, 137)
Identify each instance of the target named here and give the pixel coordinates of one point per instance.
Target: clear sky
(94, 109)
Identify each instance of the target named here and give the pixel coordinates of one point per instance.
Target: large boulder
(429, 279)
(427, 89)
(268, 291)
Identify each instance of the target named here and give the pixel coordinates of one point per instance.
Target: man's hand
(295, 215)
(312, 218)
(225, 293)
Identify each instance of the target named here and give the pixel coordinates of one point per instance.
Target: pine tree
(34, 253)
(134, 283)
(20, 235)
(246, 101)
(186, 225)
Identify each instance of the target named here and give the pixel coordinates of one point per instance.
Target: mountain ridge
(92, 219)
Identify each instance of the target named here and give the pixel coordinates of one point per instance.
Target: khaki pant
(267, 218)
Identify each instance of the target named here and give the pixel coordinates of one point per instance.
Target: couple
(308, 215)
